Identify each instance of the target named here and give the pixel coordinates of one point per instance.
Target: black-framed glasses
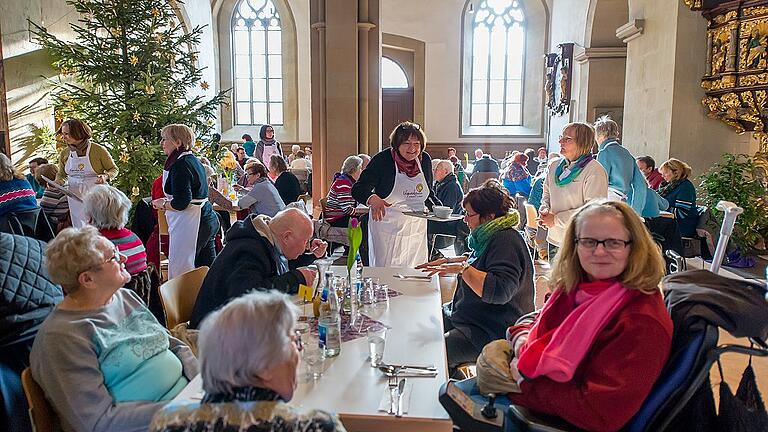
(611, 245)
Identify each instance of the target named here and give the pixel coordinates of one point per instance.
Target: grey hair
(7, 171)
(606, 127)
(446, 164)
(106, 207)
(248, 336)
(351, 163)
(71, 252)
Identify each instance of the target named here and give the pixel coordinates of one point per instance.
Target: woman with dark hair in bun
(495, 282)
(397, 180)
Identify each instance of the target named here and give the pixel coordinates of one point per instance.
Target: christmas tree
(130, 71)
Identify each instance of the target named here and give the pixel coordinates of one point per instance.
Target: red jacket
(616, 375)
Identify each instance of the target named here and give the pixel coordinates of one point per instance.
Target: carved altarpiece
(558, 79)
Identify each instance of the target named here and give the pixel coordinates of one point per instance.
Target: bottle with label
(329, 323)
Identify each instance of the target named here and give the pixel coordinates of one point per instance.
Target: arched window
(257, 63)
(496, 67)
(392, 75)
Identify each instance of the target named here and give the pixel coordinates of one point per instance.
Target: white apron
(81, 178)
(269, 150)
(183, 227)
(399, 240)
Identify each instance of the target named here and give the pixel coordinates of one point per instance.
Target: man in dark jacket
(448, 191)
(27, 296)
(485, 163)
(256, 256)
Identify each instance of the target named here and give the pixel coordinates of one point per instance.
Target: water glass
(381, 293)
(377, 337)
(368, 296)
(314, 358)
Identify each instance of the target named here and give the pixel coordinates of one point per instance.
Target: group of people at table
(106, 363)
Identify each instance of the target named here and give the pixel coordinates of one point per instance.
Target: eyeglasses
(469, 215)
(116, 257)
(611, 245)
(269, 130)
(296, 340)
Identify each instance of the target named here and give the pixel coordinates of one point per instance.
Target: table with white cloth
(353, 389)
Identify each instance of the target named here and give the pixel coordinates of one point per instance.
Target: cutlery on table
(407, 366)
(414, 277)
(392, 372)
(400, 389)
(393, 385)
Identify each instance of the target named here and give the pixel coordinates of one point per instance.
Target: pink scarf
(568, 326)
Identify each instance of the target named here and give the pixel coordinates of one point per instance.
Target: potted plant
(737, 179)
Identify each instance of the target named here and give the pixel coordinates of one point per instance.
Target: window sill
(502, 131)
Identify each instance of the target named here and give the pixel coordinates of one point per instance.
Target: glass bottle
(329, 323)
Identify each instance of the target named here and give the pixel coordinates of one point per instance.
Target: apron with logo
(269, 150)
(400, 240)
(81, 178)
(183, 227)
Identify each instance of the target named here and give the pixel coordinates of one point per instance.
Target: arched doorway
(396, 98)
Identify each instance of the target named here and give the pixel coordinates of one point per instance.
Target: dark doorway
(396, 107)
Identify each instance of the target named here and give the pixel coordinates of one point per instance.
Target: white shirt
(301, 163)
(563, 201)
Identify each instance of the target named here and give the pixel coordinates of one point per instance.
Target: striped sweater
(55, 205)
(340, 202)
(16, 195)
(129, 245)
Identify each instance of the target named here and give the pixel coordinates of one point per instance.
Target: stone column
(345, 50)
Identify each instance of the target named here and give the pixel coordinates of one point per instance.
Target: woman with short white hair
(340, 205)
(103, 360)
(249, 390)
(106, 208)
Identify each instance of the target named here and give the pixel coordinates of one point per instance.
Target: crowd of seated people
(106, 363)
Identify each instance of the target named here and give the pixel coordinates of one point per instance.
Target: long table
(351, 388)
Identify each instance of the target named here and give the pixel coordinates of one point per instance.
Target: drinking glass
(381, 293)
(314, 358)
(377, 337)
(368, 294)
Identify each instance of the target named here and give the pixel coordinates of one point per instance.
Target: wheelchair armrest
(526, 420)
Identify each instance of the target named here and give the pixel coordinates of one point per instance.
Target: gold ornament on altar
(204, 85)
(133, 60)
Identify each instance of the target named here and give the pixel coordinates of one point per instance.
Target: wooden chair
(179, 295)
(44, 418)
(162, 230)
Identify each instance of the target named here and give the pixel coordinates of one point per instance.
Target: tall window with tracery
(497, 56)
(257, 63)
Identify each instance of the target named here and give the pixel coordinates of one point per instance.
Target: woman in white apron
(267, 145)
(397, 179)
(192, 224)
(84, 164)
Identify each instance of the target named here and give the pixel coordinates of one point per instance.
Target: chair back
(531, 216)
(41, 412)
(479, 178)
(30, 223)
(179, 295)
(162, 223)
(684, 372)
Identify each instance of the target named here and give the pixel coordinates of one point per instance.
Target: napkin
(384, 404)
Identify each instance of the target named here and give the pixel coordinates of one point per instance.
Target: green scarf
(566, 172)
(480, 237)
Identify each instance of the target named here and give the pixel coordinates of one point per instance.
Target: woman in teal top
(101, 357)
(248, 145)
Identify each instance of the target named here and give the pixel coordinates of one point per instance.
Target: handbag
(493, 374)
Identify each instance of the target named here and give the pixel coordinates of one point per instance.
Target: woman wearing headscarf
(84, 164)
(398, 179)
(192, 224)
(267, 145)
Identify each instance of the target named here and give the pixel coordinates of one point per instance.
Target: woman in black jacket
(192, 224)
(286, 183)
(397, 179)
(495, 283)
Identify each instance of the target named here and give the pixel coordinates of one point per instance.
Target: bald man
(260, 253)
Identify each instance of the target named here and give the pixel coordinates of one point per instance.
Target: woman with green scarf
(495, 282)
(572, 181)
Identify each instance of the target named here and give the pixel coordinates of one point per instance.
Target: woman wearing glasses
(103, 360)
(397, 180)
(248, 391)
(261, 196)
(495, 283)
(605, 334)
(267, 145)
(572, 181)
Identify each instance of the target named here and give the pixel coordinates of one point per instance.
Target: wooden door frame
(4, 124)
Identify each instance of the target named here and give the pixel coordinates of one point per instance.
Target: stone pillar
(345, 51)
